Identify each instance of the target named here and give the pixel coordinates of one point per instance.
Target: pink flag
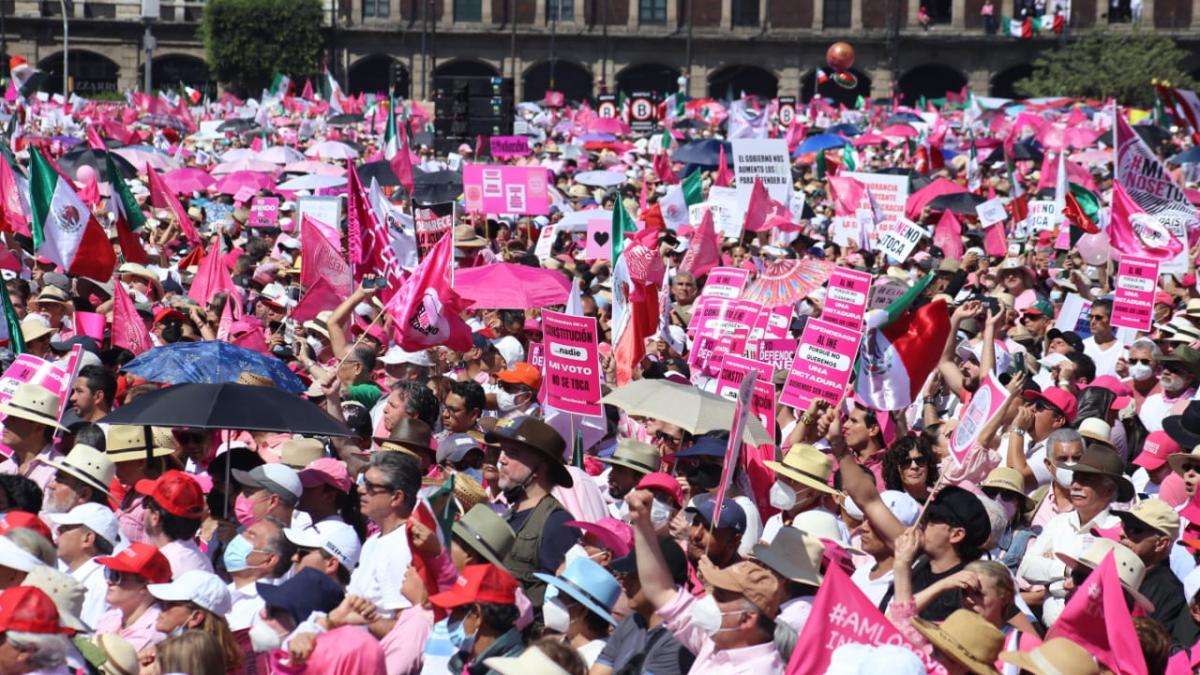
(795, 135)
(322, 261)
(93, 139)
(1097, 619)
(129, 331)
(704, 252)
(90, 192)
(358, 210)
(758, 209)
(425, 313)
(1132, 231)
(318, 297)
(841, 614)
(373, 242)
(10, 92)
(948, 235)
(91, 324)
(995, 242)
(162, 197)
(15, 217)
(662, 167)
(257, 144)
(402, 161)
(308, 93)
(226, 323)
(1075, 173)
(724, 177)
(642, 205)
(847, 194)
(212, 277)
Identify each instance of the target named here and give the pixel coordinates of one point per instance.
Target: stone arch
(1003, 83)
(570, 78)
(734, 80)
(832, 90)
(654, 77)
(169, 70)
(931, 80)
(374, 74)
(90, 72)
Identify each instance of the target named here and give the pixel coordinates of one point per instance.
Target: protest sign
(724, 315)
(572, 363)
(991, 212)
(1073, 307)
(264, 212)
(762, 401)
(887, 194)
(1152, 187)
(598, 243)
(824, 362)
(244, 194)
(725, 282)
(984, 404)
(846, 301)
(545, 242)
(766, 159)
(506, 189)
(733, 448)
(27, 368)
(431, 222)
(503, 147)
(216, 212)
(884, 292)
(700, 358)
(327, 210)
(779, 352)
(1042, 215)
(1133, 306)
(899, 240)
(537, 356)
(845, 230)
(772, 322)
(722, 203)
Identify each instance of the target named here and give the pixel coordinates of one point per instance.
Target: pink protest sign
(572, 363)
(598, 242)
(779, 352)
(27, 368)
(723, 315)
(985, 402)
(244, 194)
(537, 355)
(264, 212)
(506, 189)
(762, 402)
(705, 357)
(846, 302)
(1133, 306)
(772, 322)
(91, 324)
(823, 364)
(503, 147)
(725, 282)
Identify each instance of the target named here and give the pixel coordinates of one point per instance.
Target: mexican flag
(1018, 28)
(64, 229)
(11, 327)
(332, 92)
(678, 198)
(1081, 208)
(899, 350)
(391, 140)
(128, 215)
(280, 84)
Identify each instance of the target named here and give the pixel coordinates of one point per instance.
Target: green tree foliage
(247, 41)
(1103, 64)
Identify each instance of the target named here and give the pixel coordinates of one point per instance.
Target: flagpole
(66, 49)
(350, 349)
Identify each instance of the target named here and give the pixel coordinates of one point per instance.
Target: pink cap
(1155, 450)
(1059, 398)
(610, 533)
(328, 471)
(1163, 298)
(665, 482)
(378, 333)
(1188, 279)
(1118, 388)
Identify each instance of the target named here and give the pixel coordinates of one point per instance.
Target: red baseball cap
(178, 493)
(1118, 388)
(29, 610)
(15, 519)
(665, 482)
(1059, 398)
(522, 373)
(479, 583)
(141, 559)
(1155, 450)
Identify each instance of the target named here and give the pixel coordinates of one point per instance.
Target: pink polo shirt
(140, 634)
(761, 659)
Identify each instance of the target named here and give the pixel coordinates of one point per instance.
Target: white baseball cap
(95, 517)
(278, 479)
(16, 558)
(335, 538)
(203, 589)
(396, 356)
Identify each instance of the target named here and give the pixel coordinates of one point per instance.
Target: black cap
(1069, 337)
(672, 555)
(959, 508)
(85, 342)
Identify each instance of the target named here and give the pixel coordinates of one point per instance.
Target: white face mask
(1141, 371)
(263, 638)
(707, 615)
(574, 553)
(660, 514)
(1064, 477)
(505, 401)
(782, 496)
(556, 616)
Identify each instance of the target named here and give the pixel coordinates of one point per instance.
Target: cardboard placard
(572, 363)
(823, 365)
(1133, 304)
(846, 301)
(264, 212)
(521, 190)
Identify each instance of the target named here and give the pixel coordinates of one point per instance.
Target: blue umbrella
(899, 117)
(818, 143)
(845, 129)
(211, 362)
(1189, 156)
(704, 153)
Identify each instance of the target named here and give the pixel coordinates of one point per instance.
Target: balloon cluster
(840, 57)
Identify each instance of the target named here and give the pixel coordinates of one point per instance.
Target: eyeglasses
(918, 462)
(454, 411)
(1144, 362)
(668, 438)
(1097, 317)
(375, 488)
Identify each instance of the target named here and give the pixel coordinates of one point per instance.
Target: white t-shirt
(91, 576)
(246, 604)
(875, 589)
(1105, 359)
(381, 568)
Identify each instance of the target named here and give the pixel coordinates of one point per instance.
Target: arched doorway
(91, 73)
(1004, 82)
(169, 70)
(732, 82)
(653, 77)
(572, 79)
(376, 73)
(463, 68)
(931, 81)
(832, 90)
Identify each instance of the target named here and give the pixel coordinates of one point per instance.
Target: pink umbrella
(509, 286)
(234, 182)
(252, 165)
(900, 131)
(607, 125)
(182, 181)
(867, 139)
(917, 200)
(141, 158)
(314, 167)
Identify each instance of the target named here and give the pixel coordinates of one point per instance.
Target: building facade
(764, 47)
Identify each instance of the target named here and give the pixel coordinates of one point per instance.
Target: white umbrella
(600, 178)
(332, 150)
(238, 154)
(311, 182)
(577, 221)
(254, 165)
(281, 154)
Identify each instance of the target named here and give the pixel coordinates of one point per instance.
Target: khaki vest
(522, 559)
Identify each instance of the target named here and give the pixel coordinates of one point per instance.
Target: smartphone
(992, 304)
(294, 292)
(377, 282)
(276, 326)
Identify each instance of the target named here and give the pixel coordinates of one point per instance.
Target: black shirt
(923, 577)
(1165, 590)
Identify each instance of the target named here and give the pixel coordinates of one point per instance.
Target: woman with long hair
(910, 466)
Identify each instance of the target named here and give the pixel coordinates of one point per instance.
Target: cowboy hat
(634, 455)
(1056, 656)
(1009, 480)
(805, 464)
(465, 236)
(35, 327)
(588, 583)
(409, 436)
(967, 638)
(532, 661)
(142, 272)
(1179, 459)
(33, 403)
(88, 465)
(1104, 460)
(531, 433)
(1188, 357)
(128, 442)
(484, 532)
(1130, 569)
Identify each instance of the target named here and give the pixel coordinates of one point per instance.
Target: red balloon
(840, 56)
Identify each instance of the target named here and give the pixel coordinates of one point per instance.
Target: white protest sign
(545, 241)
(328, 210)
(888, 194)
(722, 202)
(898, 242)
(885, 291)
(991, 212)
(844, 230)
(766, 159)
(1068, 315)
(1043, 215)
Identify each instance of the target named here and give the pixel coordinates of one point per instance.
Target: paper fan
(787, 281)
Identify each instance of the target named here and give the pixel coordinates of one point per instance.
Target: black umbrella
(1020, 152)
(381, 171)
(704, 153)
(437, 186)
(241, 407)
(237, 125)
(689, 123)
(1152, 134)
(959, 202)
(85, 156)
(344, 119)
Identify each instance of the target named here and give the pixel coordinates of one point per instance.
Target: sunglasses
(375, 488)
(116, 577)
(915, 461)
(1144, 362)
(668, 438)
(1079, 575)
(1098, 317)
(1189, 467)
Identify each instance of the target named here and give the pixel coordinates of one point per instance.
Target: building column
(447, 7)
(881, 83)
(539, 14)
(958, 10)
(818, 15)
(1148, 13)
(855, 14)
(672, 13)
(485, 15)
(726, 14)
(763, 18)
(1195, 14)
(913, 7)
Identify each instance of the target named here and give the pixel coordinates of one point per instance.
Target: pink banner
(537, 355)
(506, 189)
(725, 282)
(27, 368)
(779, 352)
(264, 212)
(772, 322)
(985, 403)
(722, 315)
(824, 362)
(1133, 306)
(762, 401)
(503, 147)
(846, 302)
(572, 363)
(91, 324)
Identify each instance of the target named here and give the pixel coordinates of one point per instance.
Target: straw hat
(33, 403)
(127, 443)
(1056, 656)
(120, 658)
(468, 491)
(532, 661)
(636, 456)
(88, 465)
(254, 379)
(466, 237)
(1009, 480)
(1178, 459)
(34, 327)
(1130, 568)
(805, 464)
(793, 554)
(967, 638)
